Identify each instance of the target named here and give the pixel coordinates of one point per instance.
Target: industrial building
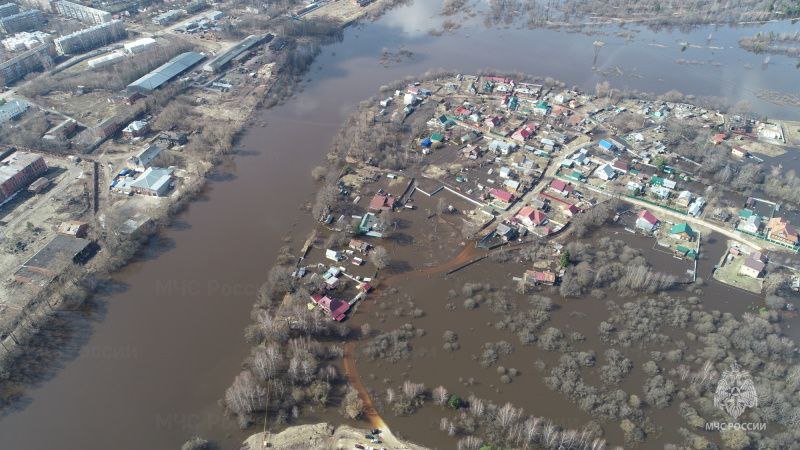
(25, 63)
(168, 17)
(24, 21)
(8, 9)
(26, 40)
(12, 109)
(139, 45)
(54, 258)
(17, 171)
(107, 60)
(166, 72)
(219, 61)
(90, 38)
(85, 14)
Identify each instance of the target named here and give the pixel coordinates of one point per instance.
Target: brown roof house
(754, 265)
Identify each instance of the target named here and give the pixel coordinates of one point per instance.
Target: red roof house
(503, 196)
(332, 306)
(561, 186)
(620, 166)
(646, 220)
(540, 277)
(462, 111)
(529, 216)
(381, 202)
(524, 133)
(571, 210)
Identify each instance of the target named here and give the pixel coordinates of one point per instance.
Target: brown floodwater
(146, 366)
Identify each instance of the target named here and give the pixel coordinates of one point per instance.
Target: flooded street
(149, 364)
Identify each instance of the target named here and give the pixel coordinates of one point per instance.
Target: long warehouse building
(18, 171)
(219, 61)
(90, 38)
(166, 72)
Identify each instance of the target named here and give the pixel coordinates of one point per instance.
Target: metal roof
(166, 72)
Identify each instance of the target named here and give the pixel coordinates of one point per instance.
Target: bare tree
(440, 395)
(379, 257)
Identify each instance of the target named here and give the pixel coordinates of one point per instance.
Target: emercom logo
(735, 393)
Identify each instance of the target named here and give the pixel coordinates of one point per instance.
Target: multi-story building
(8, 9)
(18, 171)
(25, 63)
(83, 13)
(24, 21)
(90, 38)
(26, 40)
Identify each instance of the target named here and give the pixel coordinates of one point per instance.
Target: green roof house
(682, 231)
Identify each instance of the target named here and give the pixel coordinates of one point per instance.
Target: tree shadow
(57, 342)
(155, 247)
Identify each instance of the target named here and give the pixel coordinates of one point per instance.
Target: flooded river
(147, 366)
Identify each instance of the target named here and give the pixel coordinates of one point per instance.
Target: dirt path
(469, 253)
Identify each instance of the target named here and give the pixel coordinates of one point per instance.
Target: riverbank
(324, 436)
(224, 115)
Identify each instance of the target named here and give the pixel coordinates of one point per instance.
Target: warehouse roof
(166, 72)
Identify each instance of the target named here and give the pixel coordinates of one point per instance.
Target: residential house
(606, 145)
(471, 152)
(684, 198)
(659, 192)
(523, 133)
(647, 221)
(506, 232)
(752, 224)
(537, 277)
(382, 202)
(154, 182)
(493, 121)
(501, 147)
(780, 230)
(739, 152)
(358, 245)
(718, 138)
(605, 172)
(335, 308)
(620, 166)
(501, 195)
(570, 210)
(333, 255)
(144, 159)
(754, 265)
(682, 231)
(696, 207)
(531, 217)
(634, 187)
(137, 128)
(562, 187)
(512, 185)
